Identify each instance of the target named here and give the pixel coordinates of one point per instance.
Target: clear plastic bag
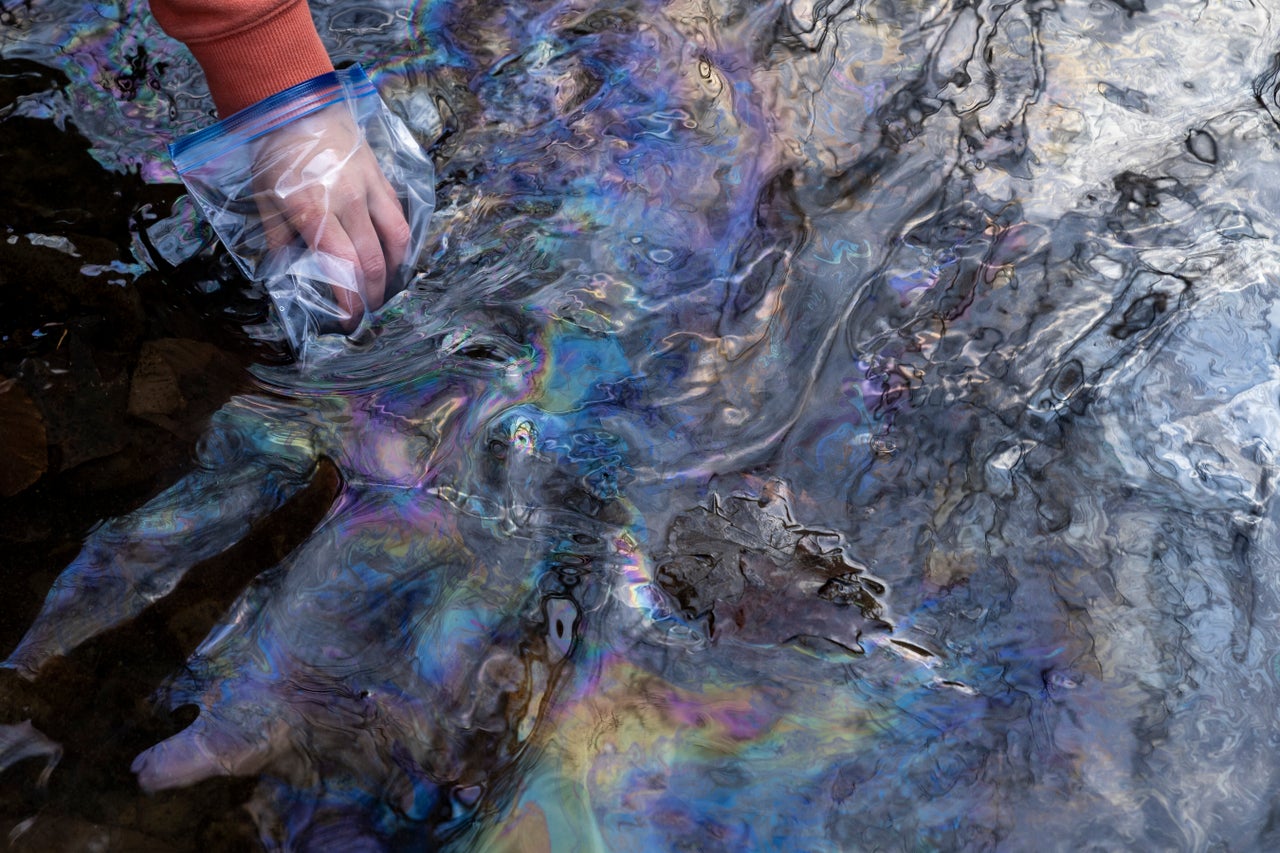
(288, 186)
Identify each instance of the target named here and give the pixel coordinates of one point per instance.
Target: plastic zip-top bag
(291, 186)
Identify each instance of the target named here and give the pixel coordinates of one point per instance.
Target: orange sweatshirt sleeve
(249, 49)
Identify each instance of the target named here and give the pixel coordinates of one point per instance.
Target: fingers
(393, 230)
(351, 214)
(327, 235)
(371, 261)
(277, 231)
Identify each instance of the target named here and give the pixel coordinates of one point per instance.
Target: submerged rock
(25, 456)
(754, 573)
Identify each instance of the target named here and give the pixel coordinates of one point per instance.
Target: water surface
(818, 427)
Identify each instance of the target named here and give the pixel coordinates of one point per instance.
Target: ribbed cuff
(246, 66)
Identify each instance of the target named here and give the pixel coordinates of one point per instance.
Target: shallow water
(819, 427)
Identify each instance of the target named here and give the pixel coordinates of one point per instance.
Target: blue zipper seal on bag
(302, 99)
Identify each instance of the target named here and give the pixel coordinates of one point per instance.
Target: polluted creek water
(816, 427)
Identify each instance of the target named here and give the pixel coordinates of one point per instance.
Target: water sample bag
(289, 186)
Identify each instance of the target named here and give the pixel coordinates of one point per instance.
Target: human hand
(317, 181)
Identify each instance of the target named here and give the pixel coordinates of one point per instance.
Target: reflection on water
(819, 427)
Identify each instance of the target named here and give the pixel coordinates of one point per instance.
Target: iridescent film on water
(814, 426)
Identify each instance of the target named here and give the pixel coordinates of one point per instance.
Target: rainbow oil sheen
(814, 427)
